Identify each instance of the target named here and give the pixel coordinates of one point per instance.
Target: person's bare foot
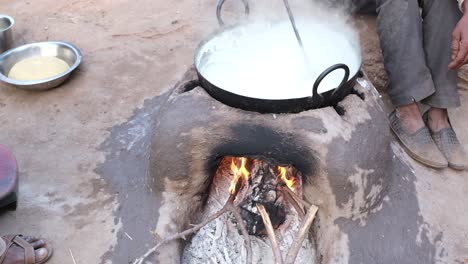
(410, 117)
(15, 254)
(437, 119)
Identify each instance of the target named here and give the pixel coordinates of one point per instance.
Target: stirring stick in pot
(293, 23)
(298, 36)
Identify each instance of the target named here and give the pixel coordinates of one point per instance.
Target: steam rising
(262, 59)
(331, 11)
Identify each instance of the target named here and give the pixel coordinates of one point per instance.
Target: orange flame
(241, 173)
(238, 172)
(289, 182)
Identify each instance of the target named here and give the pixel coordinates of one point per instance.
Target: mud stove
(207, 158)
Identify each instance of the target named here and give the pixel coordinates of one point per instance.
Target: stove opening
(256, 182)
(264, 216)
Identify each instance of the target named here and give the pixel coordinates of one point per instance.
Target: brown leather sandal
(29, 254)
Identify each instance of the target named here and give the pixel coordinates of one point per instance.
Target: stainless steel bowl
(6, 25)
(62, 50)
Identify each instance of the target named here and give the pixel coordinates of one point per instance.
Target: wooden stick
(71, 254)
(297, 244)
(243, 229)
(271, 233)
(299, 209)
(296, 197)
(187, 232)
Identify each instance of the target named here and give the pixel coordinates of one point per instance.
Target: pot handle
(315, 94)
(220, 7)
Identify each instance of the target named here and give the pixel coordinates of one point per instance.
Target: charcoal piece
(253, 222)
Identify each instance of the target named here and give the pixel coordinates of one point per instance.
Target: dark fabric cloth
(415, 37)
(364, 6)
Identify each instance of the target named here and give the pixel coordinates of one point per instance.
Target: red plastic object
(8, 179)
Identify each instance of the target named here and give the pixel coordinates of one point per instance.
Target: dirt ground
(133, 52)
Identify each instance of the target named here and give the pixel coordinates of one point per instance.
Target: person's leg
(439, 20)
(400, 31)
(437, 44)
(401, 39)
(437, 30)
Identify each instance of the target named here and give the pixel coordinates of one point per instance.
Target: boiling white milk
(265, 61)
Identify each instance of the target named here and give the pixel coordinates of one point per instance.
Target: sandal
(6, 242)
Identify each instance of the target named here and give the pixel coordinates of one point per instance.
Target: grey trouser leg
(439, 20)
(416, 49)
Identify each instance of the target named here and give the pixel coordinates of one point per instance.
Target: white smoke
(267, 54)
(337, 14)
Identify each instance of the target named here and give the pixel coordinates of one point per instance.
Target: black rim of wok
(293, 105)
(289, 105)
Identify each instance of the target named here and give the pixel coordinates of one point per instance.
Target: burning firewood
(261, 196)
(292, 254)
(261, 188)
(294, 250)
(271, 234)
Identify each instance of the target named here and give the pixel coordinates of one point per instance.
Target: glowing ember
(289, 182)
(238, 172)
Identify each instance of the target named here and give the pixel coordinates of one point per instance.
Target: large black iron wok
(280, 104)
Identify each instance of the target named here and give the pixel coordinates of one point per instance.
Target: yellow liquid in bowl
(37, 68)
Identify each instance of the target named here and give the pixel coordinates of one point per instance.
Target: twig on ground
(129, 237)
(271, 234)
(71, 254)
(297, 244)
